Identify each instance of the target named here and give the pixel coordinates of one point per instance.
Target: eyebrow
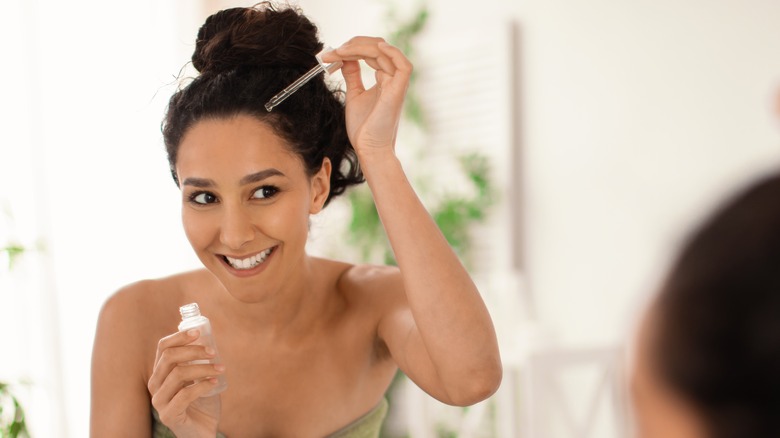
(198, 182)
(251, 178)
(259, 176)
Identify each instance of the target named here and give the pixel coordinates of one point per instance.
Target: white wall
(637, 116)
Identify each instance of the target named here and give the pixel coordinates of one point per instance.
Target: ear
(320, 187)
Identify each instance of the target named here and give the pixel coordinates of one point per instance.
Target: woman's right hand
(176, 386)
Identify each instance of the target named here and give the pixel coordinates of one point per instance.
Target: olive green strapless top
(367, 426)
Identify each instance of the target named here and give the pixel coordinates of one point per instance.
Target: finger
(356, 48)
(380, 62)
(397, 57)
(178, 405)
(352, 78)
(364, 39)
(360, 43)
(174, 356)
(175, 340)
(330, 56)
(397, 83)
(367, 49)
(387, 83)
(190, 394)
(386, 65)
(182, 377)
(381, 79)
(372, 62)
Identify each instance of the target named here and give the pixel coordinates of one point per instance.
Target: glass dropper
(301, 81)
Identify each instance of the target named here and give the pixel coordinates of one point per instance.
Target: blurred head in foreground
(708, 351)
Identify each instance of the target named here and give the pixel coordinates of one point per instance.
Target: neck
(288, 311)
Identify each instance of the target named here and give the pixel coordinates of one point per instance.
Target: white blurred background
(613, 126)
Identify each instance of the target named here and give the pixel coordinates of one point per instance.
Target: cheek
(288, 221)
(658, 412)
(646, 399)
(197, 228)
(645, 412)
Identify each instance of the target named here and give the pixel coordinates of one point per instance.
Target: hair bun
(262, 36)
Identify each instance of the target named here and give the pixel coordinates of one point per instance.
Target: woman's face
(246, 201)
(659, 412)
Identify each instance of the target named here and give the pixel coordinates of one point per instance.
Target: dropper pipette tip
(301, 81)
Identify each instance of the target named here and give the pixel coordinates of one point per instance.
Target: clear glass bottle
(192, 319)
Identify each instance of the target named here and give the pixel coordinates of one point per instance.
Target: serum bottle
(192, 319)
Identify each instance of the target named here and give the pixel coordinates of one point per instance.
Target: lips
(250, 262)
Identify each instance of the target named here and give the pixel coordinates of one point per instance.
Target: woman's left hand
(373, 114)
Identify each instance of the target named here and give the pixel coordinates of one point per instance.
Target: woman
(308, 346)
(709, 348)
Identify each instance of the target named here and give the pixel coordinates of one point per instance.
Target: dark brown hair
(719, 316)
(244, 57)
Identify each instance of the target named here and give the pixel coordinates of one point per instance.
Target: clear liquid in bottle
(192, 319)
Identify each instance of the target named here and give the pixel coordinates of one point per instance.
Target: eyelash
(192, 197)
(274, 191)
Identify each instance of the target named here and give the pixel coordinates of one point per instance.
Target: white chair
(573, 393)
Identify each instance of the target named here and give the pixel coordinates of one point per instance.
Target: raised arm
(440, 333)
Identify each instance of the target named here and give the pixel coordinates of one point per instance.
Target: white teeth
(249, 262)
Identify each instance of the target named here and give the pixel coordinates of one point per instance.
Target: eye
(203, 198)
(265, 192)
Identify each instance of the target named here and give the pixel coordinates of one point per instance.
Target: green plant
(14, 251)
(453, 213)
(12, 418)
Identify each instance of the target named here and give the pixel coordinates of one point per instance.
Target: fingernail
(219, 367)
(210, 351)
(192, 333)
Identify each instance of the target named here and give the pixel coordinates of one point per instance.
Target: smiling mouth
(249, 262)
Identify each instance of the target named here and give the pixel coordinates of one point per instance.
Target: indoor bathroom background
(610, 128)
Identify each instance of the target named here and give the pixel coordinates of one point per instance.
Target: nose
(237, 228)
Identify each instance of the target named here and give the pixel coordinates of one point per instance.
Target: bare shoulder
(371, 276)
(131, 298)
(375, 284)
(147, 308)
(130, 324)
(144, 296)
